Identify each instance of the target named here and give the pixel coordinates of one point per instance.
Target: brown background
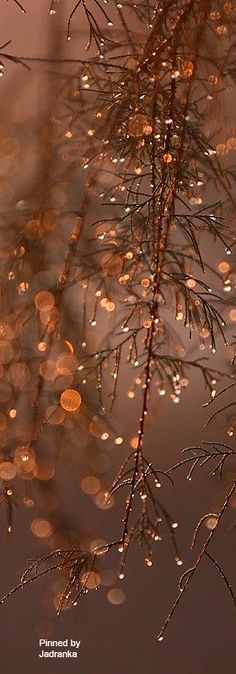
(201, 639)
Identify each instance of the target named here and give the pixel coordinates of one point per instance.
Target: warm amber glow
(62, 604)
(223, 267)
(55, 415)
(232, 315)
(91, 580)
(204, 333)
(112, 189)
(41, 528)
(116, 596)
(24, 459)
(134, 442)
(191, 283)
(18, 374)
(102, 502)
(137, 125)
(44, 300)
(167, 158)
(187, 68)
(7, 470)
(97, 427)
(44, 470)
(90, 485)
(66, 363)
(47, 369)
(70, 400)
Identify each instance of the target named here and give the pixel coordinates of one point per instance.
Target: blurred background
(63, 491)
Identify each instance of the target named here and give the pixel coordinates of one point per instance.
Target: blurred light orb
(18, 374)
(42, 346)
(137, 125)
(66, 363)
(232, 315)
(28, 502)
(134, 442)
(223, 267)
(116, 596)
(110, 306)
(7, 470)
(187, 68)
(97, 427)
(12, 413)
(55, 415)
(47, 370)
(41, 528)
(90, 485)
(204, 333)
(70, 400)
(105, 436)
(24, 459)
(91, 580)
(147, 323)
(191, 283)
(44, 300)
(6, 331)
(49, 317)
(167, 158)
(6, 352)
(145, 283)
(100, 546)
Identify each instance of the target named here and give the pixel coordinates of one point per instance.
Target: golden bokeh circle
(70, 400)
